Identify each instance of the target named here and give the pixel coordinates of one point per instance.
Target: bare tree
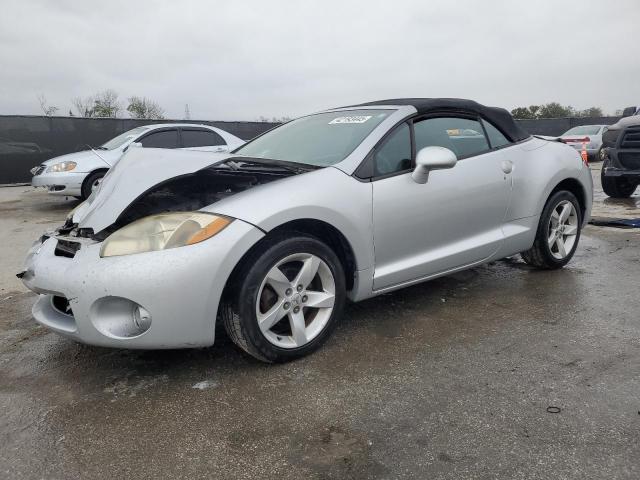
(187, 112)
(84, 106)
(48, 110)
(142, 107)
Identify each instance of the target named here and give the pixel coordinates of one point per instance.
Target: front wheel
(286, 298)
(558, 232)
(91, 183)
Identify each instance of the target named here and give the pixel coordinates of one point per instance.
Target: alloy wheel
(563, 228)
(295, 300)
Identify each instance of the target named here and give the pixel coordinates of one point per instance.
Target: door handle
(507, 166)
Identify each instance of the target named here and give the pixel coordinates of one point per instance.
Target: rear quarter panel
(539, 166)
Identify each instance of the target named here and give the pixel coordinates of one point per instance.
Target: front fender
(328, 195)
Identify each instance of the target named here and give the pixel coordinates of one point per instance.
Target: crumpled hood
(136, 172)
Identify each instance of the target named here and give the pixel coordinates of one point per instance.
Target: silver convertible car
(272, 238)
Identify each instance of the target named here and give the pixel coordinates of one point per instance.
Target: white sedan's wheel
(293, 312)
(563, 228)
(95, 184)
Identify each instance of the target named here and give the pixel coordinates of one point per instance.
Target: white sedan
(78, 174)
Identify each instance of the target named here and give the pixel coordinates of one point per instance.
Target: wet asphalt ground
(498, 372)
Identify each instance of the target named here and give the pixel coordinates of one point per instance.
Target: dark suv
(621, 168)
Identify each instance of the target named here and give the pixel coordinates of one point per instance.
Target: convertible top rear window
(322, 139)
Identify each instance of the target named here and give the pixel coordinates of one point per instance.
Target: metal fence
(27, 141)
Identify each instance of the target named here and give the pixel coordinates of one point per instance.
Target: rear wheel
(287, 298)
(616, 187)
(558, 232)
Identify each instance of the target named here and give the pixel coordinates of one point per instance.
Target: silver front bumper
(180, 288)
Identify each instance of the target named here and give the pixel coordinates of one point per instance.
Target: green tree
(106, 104)
(555, 110)
(102, 104)
(525, 113)
(142, 107)
(591, 112)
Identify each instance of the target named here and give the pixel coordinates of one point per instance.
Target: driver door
(453, 220)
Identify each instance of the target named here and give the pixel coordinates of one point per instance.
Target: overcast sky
(239, 60)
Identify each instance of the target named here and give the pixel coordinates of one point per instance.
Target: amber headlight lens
(166, 230)
(62, 167)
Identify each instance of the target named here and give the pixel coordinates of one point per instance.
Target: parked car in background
(78, 174)
(589, 134)
(620, 173)
(273, 238)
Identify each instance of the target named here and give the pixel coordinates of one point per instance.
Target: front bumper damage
(98, 300)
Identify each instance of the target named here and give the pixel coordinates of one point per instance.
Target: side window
(461, 135)
(201, 138)
(162, 139)
(395, 153)
(496, 139)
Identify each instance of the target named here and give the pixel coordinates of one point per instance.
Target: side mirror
(432, 158)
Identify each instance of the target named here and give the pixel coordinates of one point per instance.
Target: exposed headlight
(166, 230)
(62, 167)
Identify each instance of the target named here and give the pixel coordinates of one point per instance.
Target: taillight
(575, 140)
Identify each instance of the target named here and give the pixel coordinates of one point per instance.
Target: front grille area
(62, 305)
(630, 138)
(39, 170)
(629, 160)
(65, 248)
(610, 137)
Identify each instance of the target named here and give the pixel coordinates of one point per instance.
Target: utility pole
(187, 114)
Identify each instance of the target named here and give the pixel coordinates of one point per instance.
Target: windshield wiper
(237, 163)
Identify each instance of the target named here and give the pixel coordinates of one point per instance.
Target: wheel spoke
(555, 218)
(298, 328)
(320, 299)
(270, 318)
(308, 271)
(570, 230)
(552, 238)
(560, 244)
(566, 211)
(278, 281)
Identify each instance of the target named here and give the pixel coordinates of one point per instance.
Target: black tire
(540, 255)
(238, 310)
(616, 187)
(86, 185)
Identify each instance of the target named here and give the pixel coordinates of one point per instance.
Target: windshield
(584, 130)
(122, 138)
(322, 139)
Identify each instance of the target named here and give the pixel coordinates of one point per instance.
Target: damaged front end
(184, 193)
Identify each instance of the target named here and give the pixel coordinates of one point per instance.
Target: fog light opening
(118, 317)
(141, 318)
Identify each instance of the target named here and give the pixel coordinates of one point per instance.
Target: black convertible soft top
(499, 117)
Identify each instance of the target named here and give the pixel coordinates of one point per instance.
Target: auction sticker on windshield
(352, 119)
